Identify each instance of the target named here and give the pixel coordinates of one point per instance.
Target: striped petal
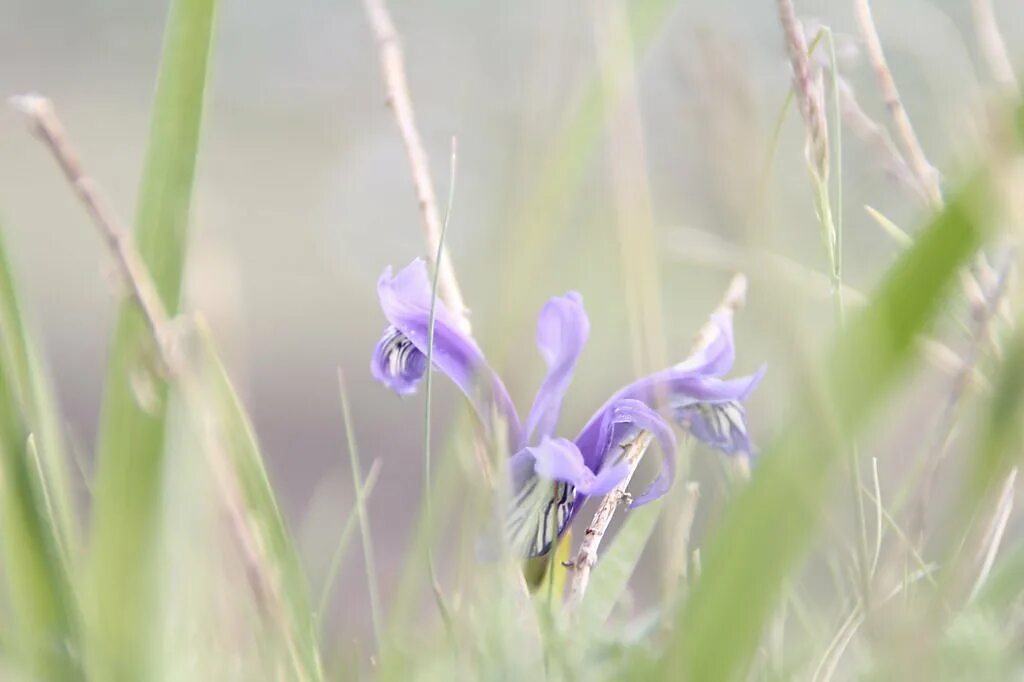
(399, 360)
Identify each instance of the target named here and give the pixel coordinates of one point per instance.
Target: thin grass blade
(35, 506)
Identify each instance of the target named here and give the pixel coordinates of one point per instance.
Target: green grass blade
(127, 487)
(770, 524)
(369, 562)
(35, 398)
(34, 534)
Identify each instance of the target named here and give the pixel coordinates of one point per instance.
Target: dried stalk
(993, 47)
(586, 557)
(47, 127)
(808, 89)
(995, 532)
(392, 65)
(924, 171)
(866, 128)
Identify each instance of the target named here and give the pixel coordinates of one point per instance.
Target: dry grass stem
(869, 130)
(993, 47)
(392, 65)
(925, 172)
(586, 557)
(808, 89)
(47, 127)
(995, 531)
(265, 584)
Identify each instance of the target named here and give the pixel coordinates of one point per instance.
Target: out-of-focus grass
(770, 523)
(39, 543)
(131, 443)
(192, 570)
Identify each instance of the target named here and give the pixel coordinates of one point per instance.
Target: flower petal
(678, 389)
(562, 330)
(405, 299)
(623, 424)
(560, 460)
(716, 356)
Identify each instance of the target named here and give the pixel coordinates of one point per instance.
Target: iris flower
(552, 476)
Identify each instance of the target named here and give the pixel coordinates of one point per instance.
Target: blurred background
(583, 135)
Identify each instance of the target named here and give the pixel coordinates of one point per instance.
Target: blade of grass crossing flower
(44, 614)
(769, 525)
(427, 476)
(131, 442)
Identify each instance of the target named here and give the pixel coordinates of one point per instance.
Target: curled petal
(623, 423)
(679, 388)
(560, 460)
(405, 298)
(562, 330)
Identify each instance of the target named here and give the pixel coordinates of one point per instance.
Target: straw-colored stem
(807, 89)
(47, 127)
(392, 64)
(915, 155)
(993, 47)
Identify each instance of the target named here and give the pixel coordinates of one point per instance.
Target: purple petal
(717, 355)
(623, 423)
(562, 330)
(405, 299)
(560, 460)
(678, 388)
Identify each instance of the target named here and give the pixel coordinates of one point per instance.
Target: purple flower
(550, 475)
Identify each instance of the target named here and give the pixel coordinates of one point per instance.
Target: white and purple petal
(397, 363)
(549, 480)
(721, 425)
(562, 331)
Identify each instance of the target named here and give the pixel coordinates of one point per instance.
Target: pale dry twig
(167, 335)
(392, 65)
